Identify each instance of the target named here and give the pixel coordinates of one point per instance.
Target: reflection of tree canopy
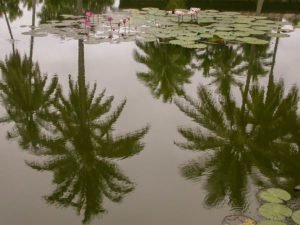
(79, 149)
(52, 9)
(168, 68)
(26, 96)
(258, 59)
(223, 63)
(176, 4)
(244, 143)
(11, 8)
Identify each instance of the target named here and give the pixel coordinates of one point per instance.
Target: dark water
(160, 158)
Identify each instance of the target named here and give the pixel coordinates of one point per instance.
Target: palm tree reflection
(169, 68)
(80, 148)
(26, 97)
(250, 144)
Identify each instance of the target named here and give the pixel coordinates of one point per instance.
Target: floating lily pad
(238, 220)
(195, 46)
(271, 222)
(206, 35)
(274, 195)
(296, 217)
(278, 35)
(241, 34)
(253, 41)
(274, 211)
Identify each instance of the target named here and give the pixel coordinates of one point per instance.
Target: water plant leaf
(278, 35)
(296, 217)
(238, 220)
(274, 211)
(271, 222)
(195, 46)
(274, 195)
(253, 41)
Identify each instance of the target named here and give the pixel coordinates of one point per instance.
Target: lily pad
(274, 211)
(253, 41)
(274, 195)
(296, 217)
(195, 46)
(278, 35)
(271, 222)
(238, 220)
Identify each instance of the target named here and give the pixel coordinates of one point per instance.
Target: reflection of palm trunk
(79, 7)
(81, 75)
(271, 76)
(10, 31)
(259, 6)
(32, 28)
(247, 85)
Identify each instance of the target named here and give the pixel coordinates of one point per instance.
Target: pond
(176, 120)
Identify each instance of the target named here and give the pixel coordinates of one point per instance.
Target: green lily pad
(238, 220)
(296, 217)
(274, 195)
(195, 46)
(274, 211)
(253, 41)
(206, 35)
(271, 222)
(278, 35)
(241, 34)
(188, 38)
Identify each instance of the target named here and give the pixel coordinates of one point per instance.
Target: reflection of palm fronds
(168, 69)
(79, 146)
(244, 143)
(26, 97)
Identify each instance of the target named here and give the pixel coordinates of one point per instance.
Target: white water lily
(195, 9)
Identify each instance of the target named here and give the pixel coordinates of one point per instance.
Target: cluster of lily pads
(275, 209)
(187, 28)
(209, 26)
(92, 28)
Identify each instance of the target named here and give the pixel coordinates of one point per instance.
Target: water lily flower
(86, 22)
(192, 13)
(179, 13)
(124, 21)
(89, 14)
(109, 18)
(195, 9)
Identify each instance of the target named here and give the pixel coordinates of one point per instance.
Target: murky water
(156, 159)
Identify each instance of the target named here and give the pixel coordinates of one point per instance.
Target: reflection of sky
(116, 4)
(162, 197)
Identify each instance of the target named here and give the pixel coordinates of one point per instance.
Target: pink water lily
(109, 18)
(89, 14)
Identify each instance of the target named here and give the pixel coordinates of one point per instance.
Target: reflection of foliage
(25, 96)
(226, 64)
(80, 147)
(223, 64)
(176, 4)
(52, 9)
(244, 142)
(11, 8)
(168, 67)
(257, 60)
